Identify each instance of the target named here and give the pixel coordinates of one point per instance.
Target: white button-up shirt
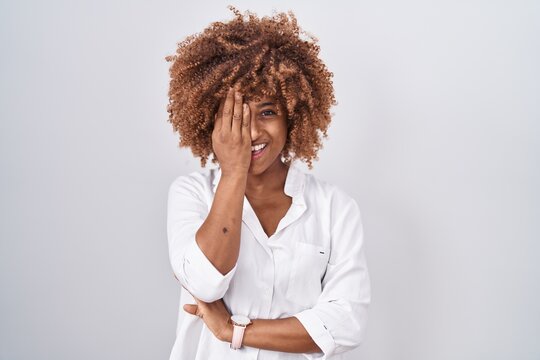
(313, 267)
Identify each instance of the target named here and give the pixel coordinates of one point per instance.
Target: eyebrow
(265, 104)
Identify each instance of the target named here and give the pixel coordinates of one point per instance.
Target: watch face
(240, 319)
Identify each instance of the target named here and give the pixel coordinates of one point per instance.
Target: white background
(436, 136)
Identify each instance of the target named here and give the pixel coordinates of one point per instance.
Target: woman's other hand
(215, 315)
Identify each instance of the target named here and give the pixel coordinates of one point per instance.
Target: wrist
(234, 175)
(226, 333)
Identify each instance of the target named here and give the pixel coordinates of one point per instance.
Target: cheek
(280, 136)
(284, 129)
(278, 130)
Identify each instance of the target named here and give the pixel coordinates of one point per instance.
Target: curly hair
(264, 57)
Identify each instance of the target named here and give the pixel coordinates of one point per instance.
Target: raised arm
(219, 235)
(204, 244)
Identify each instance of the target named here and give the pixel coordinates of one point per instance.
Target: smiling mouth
(258, 153)
(259, 149)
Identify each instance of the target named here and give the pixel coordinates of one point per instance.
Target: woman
(257, 238)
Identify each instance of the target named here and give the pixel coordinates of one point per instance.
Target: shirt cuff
(204, 280)
(318, 332)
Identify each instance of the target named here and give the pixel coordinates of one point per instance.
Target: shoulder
(331, 194)
(194, 183)
(333, 202)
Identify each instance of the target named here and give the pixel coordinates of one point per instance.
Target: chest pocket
(307, 269)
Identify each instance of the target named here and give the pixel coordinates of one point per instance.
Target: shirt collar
(294, 182)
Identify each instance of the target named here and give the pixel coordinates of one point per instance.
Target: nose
(255, 126)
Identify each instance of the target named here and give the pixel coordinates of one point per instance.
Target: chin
(256, 170)
(270, 160)
(259, 167)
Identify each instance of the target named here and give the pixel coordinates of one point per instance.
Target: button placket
(270, 289)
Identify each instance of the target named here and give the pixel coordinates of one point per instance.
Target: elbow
(201, 285)
(349, 342)
(351, 334)
(357, 333)
(198, 275)
(204, 293)
(358, 339)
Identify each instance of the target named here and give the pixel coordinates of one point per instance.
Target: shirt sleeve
(186, 212)
(337, 322)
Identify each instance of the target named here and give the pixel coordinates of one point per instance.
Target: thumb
(190, 308)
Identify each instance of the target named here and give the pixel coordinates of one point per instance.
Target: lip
(258, 155)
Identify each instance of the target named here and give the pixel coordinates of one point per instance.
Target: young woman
(270, 258)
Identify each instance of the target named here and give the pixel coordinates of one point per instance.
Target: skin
(262, 180)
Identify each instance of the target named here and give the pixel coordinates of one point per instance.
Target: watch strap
(238, 334)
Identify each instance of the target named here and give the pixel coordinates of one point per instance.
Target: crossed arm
(286, 334)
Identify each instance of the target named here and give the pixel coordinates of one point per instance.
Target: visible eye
(268, 111)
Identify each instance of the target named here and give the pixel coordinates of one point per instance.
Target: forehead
(258, 94)
(265, 100)
(261, 100)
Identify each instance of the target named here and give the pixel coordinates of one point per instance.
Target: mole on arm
(225, 230)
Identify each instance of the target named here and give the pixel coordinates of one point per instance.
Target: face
(268, 126)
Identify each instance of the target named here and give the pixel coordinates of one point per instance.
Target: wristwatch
(240, 322)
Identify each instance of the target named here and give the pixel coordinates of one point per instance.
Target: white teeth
(257, 147)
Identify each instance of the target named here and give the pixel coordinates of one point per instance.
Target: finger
(218, 114)
(237, 115)
(191, 309)
(226, 117)
(246, 124)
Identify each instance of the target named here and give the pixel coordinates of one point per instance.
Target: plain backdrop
(435, 135)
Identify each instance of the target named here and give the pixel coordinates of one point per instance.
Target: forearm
(219, 235)
(286, 335)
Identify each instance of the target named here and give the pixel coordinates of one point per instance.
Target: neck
(267, 183)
